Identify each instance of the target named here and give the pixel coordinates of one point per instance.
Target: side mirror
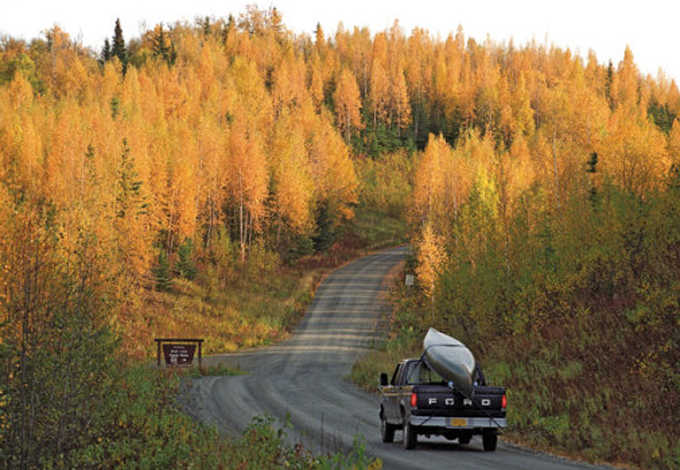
(383, 379)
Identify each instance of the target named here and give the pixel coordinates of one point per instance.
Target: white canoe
(450, 359)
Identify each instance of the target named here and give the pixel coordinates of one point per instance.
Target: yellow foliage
(294, 186)
(431, 259)
(347, 103)
(635, 153)
(237, 134)
(674, 141)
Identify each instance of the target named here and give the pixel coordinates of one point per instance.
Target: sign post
(178, 351)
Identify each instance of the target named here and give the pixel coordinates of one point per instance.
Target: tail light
(414, 400)
(504, 402)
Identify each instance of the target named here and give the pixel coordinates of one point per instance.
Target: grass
(229, 316)
(142, 426)
(376, 229)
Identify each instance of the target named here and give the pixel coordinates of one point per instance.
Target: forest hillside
(180, 180)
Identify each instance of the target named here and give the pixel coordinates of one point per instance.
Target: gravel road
(305, 379)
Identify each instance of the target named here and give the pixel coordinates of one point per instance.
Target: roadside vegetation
(566, 289)
(70, 395)
(234, 308)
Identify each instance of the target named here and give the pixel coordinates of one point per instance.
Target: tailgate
(442, 401)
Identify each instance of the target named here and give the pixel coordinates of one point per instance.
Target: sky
(649, 27)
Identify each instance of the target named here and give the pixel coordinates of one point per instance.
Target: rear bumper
(468, 423)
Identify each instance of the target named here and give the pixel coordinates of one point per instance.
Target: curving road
(304, 379)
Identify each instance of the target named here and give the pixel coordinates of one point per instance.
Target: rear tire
(410, 436)
(490, 440)
(386, 430)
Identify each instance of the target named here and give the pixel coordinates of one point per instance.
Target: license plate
(458, 422)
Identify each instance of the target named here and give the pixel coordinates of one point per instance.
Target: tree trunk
(415, 127)
(249, 228)
(241, 221)
(211, 222)
(554, 155)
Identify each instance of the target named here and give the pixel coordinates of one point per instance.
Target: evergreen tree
(674, 178)
(186, 267)
(119, 49)
(227, 28)
(592, 163)
(661, 114)
(129, 199)
(592, 169)
(160, 48)
(115, 107)
(161, 272)
(608, 84)
(106, 51)
(325, 235)
(172, 55)
(206, 26)
(89, 163)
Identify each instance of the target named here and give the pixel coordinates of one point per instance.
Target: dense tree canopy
(545, 184)
(237, 123)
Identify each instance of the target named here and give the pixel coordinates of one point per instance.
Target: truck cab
(418, 401)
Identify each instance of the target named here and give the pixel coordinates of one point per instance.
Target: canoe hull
(450, 359)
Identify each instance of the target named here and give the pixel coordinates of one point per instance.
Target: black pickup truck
(419, 402)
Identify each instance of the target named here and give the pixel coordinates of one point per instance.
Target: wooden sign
(179, 354)
(178, 351)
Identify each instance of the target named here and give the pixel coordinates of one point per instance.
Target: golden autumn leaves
(209, 142)
(347, 103)
(541, 125)
(249, 129)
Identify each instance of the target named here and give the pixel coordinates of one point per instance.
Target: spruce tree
(186, 267)
(160, 48)
(608, 84)
(325, 232)
(674, 178)
(172, 55)
(206, 26)
(592, 163)
(106, 51)
(89, 163)
(129, 198)
(592, 169)
(227, 28)
(118, 49)
(161, 272)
